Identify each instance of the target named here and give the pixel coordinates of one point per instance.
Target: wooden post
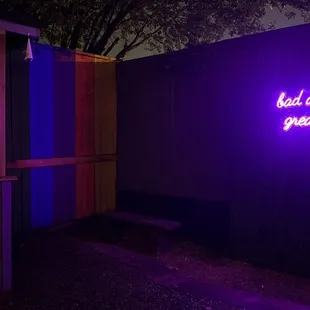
(2, 102)
(5, 239)
(5, 188)
(5, 181)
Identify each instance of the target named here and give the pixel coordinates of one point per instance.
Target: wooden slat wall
(105, 178)
(105, 107)
(85, 173)
(5, 235)
(84, 105)
(41, 135)
(64, 135)
(2, 102)
(105, 134)
(5, 186)
(18, 129)
(61, 135)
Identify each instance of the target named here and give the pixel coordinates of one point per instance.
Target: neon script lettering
(288, 102)
(303, 121)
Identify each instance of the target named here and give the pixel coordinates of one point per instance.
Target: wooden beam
(47, 162)
(96, 57)
(8, 178)
(2, 102)
(20, 29)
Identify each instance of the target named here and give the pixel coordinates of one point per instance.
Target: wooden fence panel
(105, 134)
(42, 198)
(64, 193)
(84, 84)
(64, 103)
(17, 106)
(42, 134)
(5, 235)
(2, 102)
(105, 107)
(64, 134)
(85, 174)
(61, 125)
(105, 187)
(18, 130)
(21, 206)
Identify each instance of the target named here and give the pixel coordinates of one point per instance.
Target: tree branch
(128, 47)
(112, 12)
(64, 41)
(99, 21)
(134, 44)
(100, 45)
(109, 49)
(91, 31)
(75, 36)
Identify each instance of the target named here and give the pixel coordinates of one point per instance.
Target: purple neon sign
(285, 102)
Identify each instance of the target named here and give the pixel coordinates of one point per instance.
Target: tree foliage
(115, 27)
(291, 7)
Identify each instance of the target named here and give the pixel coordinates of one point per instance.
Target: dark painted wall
(201, 125)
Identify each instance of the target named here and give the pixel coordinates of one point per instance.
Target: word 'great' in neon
(290, 122)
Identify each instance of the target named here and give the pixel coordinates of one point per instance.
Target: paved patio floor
(53, 271)
(56, 272)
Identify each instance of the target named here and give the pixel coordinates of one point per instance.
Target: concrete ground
(54, 271)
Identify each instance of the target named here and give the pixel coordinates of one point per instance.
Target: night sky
(272, 15)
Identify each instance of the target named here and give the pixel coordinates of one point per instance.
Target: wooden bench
(137, 232)
(144, 220)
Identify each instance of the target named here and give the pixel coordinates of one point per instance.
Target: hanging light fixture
(29, 56)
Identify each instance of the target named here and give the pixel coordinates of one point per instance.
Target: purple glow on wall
(288, 102)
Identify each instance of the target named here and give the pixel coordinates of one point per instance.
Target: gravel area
(57, 272)
(195, 262)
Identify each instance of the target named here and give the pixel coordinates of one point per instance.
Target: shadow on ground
(194, 261)
(54, 271)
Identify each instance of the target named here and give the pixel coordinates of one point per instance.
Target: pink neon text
(291, 102)
(290, 122)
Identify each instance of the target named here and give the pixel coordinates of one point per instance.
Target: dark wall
(202, 125)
